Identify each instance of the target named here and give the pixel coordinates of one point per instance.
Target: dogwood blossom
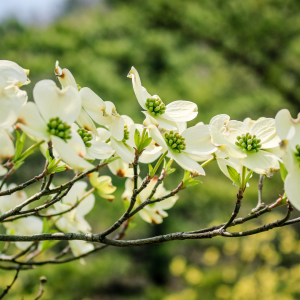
(289, 131)
(250, 145)
(192, 145)
(50, 118)
(166, 115)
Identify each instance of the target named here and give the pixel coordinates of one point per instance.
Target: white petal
(86, 122)
(10, 108)
(12, 73)
(86, 205)
(140, 92)
(120, 168)
(103, 135)
(156, 136)
(159, 122)
(292, 186)
(80, 247)
(198, 140)
(31, 122)
(76, 193)
(264, 130)
(186, 162)
(69, 156)
(124, 151)
(260, 162)
(284, 123)
(100, 150)
(7, 149)
(116, 128)
(219, 121)
(76, 142)
(181, 111)
(53, 102)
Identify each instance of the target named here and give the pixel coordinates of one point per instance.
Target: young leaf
(235, 176)
(283, 171)
(248, 177)
(146, 142)
(137, 138)
(151, 172)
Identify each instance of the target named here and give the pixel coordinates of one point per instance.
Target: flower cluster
(82, 128)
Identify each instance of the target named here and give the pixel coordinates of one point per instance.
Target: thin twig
(236, 209)
(9, 286)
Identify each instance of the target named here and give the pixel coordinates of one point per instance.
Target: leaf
(283, 171)
(48, 157)
(59, 169)
(193, 182)
(19, 145)
(137, 138)
(146, 142)
(235, 176)
(248, 177)
(170, 171)
(151, 172)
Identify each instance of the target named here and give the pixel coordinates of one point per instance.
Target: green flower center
(126, 134)
(297, 154)
(248, 143)
(86, 136)
(155, 106)
(175, 141)
(59, 128)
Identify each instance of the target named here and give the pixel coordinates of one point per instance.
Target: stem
(159, 162)
(244, 172)
(208, 161)
(9, 286)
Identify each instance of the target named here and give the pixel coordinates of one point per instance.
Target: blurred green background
(239, 57)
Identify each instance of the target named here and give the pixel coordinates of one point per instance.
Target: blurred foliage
(236, 57)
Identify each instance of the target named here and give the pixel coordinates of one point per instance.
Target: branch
(9, 286)
(43, 280)
(236, 209)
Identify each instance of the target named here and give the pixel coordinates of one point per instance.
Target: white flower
(7, 149)
(166, 115)
(193, 144)
(50, 118)
(74, 221)
(91, 148)
(102, 112)
(155, 212)
(251, 145)
(66, 79)
(289, 131)
(102, 185)
(120, 168)
(12, 77)
(24, 226)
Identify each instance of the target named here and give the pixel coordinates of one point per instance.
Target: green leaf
(283, 171)
(170, 171)
(48, 157)
(151, 172)
(248, 177)
(59, 169)
(235, 176)
(19, 145)
(146, 142)
(186, 176)
(193, 182)
(137, 138)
